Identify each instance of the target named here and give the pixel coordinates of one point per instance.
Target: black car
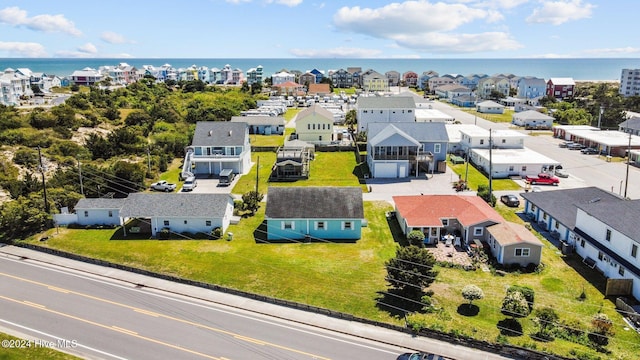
(510, 200)
(589, 151)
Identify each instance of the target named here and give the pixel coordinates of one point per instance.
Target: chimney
(230, 131)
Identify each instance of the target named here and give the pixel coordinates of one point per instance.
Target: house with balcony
(86, 77)
(282, 77)
(437, 81)
(451, 91)
(341, 78)
(560, 88)
(401, 150)
(255, 75)
(319, 74)
(410, 78)
(307, 79)
(374, 81)
(531, 88)
(218, 145)
(15, 85)
(314, 214)
(490, 84)
(393, 77)
(390, 109)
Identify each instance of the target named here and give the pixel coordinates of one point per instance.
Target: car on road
(589, 151)
(510, 200)
(421, 356)
(163, 185)
(561, 173)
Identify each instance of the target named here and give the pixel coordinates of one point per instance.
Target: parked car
(565, 144)
(561, 173)
(589, 151)
(189, 183)
(163, 185)
(542, 178)
(510, 200)
(575, 146)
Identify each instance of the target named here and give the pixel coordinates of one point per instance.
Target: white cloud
(459, 43)
(114, 38)
(88, 48)
(237, 1)
(613, 51)
(290, 3)
(23, 49)
(559, 12)
(339, 52)
(47, 23)
(502, 4)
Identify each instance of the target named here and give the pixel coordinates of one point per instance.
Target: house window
(436, 148)
(166, 223)
(621, 271)
(86, 214)
(320, 225)
(557, 225)
(110, 213)
(634, 250)
(288, 225)
(445, 222)
(347, 225)
(477, 231)
(544, 216)
(581, 242)
(207, 222)
(510, 167)
(481, 141)
(608, 235)
(524, 252)
(600, 255)
(185, 222)
(533, 207)
(504, 141)
(524, 168)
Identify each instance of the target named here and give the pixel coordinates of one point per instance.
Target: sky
(464, 29)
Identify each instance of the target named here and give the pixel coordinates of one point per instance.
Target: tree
(410, 271)
(515, 305)
(22, 218)
(256, 88)
(526, 291)
(251, 201)
(472, 292)
(483, 192)
(416, 237)
(546, 319)
(350, 119)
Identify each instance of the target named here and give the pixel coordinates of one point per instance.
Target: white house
(511, 162)
(99, 211)
(388, 109)
(433, 115)
(532, 119)
(475, 137)
(490, 107)
(218, 145)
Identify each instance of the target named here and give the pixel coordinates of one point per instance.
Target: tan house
(315, 125)
(512, 243)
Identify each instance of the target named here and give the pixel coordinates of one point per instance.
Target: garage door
(386, 171)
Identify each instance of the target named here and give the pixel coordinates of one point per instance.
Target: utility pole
(44, 185)
(626, 182)
(466, 171)
(600, 116)
(80, 175)
(490, 169)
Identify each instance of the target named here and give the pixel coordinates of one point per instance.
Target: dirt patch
(83, 133)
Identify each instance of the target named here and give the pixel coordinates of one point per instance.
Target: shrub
(216, 233)
(472, 292)
(416, 237)
(527, 292)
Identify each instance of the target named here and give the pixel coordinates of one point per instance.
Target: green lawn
(507, 116)
(476, 178)
(28, 351)
(340, 276)
(266, 140)
(291, 113)
(327, 169)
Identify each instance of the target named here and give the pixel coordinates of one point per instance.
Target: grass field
(475, 178)
(29, 351)
(266, 140)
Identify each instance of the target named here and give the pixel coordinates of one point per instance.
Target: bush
(527, 292)
(416, 237)
(216, 233)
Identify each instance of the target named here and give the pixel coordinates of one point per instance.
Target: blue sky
(320, 29)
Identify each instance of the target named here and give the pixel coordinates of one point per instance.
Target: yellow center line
(58, 289)
(34, 304)
(112, 328)
(146, 312)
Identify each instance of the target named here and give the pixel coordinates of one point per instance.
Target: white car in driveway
(561, 173)
(190, 183)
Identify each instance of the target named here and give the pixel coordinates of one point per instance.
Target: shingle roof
(397, 136)
(100, 203)
(386, 102)
(620, 215)
(489, 103)
(219, 133)
(562, 204)
(259, 120)
(178, 205)
(532, 114)
(509, 233)
(632, 123)
(314, 203)
(315, 109)
(428, 210)
(420, 131)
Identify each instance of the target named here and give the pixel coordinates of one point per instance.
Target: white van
(189, 183)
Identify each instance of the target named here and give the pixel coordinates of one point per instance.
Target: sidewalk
(317, 320)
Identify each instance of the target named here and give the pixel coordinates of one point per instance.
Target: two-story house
(410, 78)
(390, 109)
(405, 149)
(393, 77)
(530, 88)
(560, 88)
(490, 84)
(255, 75)
(341, 78)
(219, 145)
(315, 125)
(374, 81)
(86, 76)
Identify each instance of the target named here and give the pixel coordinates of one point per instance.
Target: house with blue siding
(262, 125)
(314, 214)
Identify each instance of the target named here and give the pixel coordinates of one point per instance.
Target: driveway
(212, 186)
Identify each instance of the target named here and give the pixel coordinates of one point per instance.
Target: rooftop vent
(210, 132)
(230, 131)
(594, 200)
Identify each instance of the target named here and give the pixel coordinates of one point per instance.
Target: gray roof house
(218, 145)
(179, 213)
(399, 150)
(532, 119)
(314, 213)
(631, 125)
(262, 125)
(490, 107)
(389, 109)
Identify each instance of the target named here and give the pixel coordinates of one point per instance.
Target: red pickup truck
(542, 178)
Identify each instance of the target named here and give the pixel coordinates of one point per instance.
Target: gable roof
(219, 133)
(386, 102)
(315, 110)
(632, 123)
(393, 137)
(99, 203)
(319, 88)
(176, 205)
(490, 103)
(562, 204)
(562, 81)
(299, 202)
(620, 215)
(531, 115)
(428, 210)
(509, 233)
(419, 131)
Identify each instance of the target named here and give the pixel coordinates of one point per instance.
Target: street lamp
(600, 116)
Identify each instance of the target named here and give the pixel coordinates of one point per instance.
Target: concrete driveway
(212, 186)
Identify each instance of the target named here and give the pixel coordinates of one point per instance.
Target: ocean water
(578, 69)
